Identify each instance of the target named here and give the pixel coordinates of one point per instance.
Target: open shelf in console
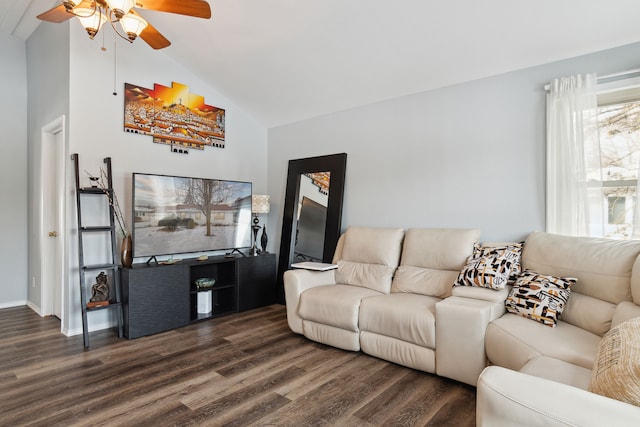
(222, 298)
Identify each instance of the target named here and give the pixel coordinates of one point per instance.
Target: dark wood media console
(158, 298)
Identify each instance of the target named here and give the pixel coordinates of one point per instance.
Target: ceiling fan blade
(196, 8)
(154, 38)
(56, 15)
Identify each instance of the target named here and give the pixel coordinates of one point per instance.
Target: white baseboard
(13, 304)
(35, 308)
(65, 331)
(92, 328)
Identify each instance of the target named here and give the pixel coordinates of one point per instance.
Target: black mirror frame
(336, 164)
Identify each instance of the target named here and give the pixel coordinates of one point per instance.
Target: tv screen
(175, 214)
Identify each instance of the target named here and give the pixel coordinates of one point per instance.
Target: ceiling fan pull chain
(115, 40)
(103, 47)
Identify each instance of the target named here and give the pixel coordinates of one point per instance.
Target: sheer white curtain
(635, 230)
(574, 181)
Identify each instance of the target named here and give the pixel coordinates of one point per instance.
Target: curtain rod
(621, 74)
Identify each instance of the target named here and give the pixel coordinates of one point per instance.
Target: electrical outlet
(33, 282)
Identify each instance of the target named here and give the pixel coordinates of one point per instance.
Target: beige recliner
(324, 306)
(401, 326)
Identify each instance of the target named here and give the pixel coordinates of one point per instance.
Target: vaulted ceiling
(287, 60)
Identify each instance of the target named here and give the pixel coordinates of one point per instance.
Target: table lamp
(259, 205)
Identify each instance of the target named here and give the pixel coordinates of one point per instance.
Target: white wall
(48, 99)
(470, 155)
(70, 75)
(96, 131)
(13, 172)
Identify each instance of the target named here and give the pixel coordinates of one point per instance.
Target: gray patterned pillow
(539, 297)
(491, 267)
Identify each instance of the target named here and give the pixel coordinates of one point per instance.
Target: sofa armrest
(510, 398)
(461, 324)
(295, 283)
(483, 294)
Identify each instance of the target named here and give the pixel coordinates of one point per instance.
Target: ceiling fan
(94, 13)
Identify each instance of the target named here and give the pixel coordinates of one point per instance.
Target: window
(617, 211)
(619, 134)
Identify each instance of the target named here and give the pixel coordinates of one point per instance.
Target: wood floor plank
(153, 402)
(238, 370)
(246, 373)
(379, 409)
(340, 391)
(231, 401)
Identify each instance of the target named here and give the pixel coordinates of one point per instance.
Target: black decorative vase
(264, 239)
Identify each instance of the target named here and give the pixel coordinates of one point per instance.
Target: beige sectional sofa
(392, 297)
(606, 294)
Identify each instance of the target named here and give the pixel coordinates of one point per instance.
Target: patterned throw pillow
(515, 251)
(539, 297)
(491, 267)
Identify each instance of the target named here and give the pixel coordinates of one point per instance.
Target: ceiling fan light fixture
(133, 25)
(120, 8)
(93, 14)
(91, 19)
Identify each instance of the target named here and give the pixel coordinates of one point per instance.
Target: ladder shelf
(115, 301)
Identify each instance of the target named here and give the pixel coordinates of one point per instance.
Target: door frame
(49, 137)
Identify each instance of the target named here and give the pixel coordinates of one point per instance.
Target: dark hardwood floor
(238, 370)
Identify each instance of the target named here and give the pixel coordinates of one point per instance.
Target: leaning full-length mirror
(312, 213)
(311, 218)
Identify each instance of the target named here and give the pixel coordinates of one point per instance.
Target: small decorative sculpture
(100, 290)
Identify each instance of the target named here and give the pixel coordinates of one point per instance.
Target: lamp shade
(260, 204)
(133, 25)
(123, 6)
(91, 19)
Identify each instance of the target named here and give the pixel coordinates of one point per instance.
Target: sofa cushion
(373, 276)
(398, 351)
(607, 270)
(616, 373)
(625, 311)
(511, 341)
(635, 281)
(432, 259)
(334, 305)
(423, 281)
(491, 266)
(369, 257)
(539, 297)
(589, 313)
(373, 245)
(602, 266)
(559, 371)
(404, 316)
(330, 335)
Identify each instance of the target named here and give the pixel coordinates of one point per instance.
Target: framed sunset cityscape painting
(173, 115)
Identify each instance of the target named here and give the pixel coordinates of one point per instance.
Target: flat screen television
(176, 214)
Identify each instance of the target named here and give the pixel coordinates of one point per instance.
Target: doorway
(52, 219)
